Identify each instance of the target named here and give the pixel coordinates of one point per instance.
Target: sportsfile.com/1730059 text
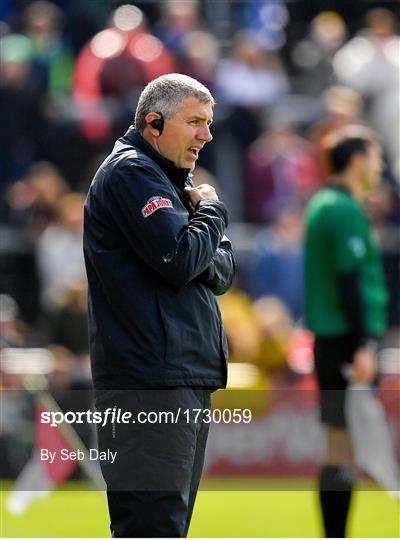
(115, 415)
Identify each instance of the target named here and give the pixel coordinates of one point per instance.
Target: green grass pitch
(224, 508)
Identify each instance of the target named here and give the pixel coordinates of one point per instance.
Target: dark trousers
(153, 482)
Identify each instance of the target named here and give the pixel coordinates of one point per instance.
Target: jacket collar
(175, 174)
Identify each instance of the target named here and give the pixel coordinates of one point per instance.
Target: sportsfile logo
(154, 204)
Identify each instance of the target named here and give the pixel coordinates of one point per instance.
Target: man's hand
(200, 193)
(364, 365)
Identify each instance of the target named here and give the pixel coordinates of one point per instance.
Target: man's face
(185, 134)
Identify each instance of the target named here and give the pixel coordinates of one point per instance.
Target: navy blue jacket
(154, 268)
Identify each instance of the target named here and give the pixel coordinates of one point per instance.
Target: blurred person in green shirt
(346, 303)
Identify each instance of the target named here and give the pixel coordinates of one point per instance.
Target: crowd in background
(284, 76)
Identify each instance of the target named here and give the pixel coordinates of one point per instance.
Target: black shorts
(332, 356)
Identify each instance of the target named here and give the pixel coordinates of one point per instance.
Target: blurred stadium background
(284, 73)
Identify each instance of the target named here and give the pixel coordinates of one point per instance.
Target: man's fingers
(199, 193)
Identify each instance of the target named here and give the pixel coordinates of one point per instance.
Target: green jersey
(339, 240)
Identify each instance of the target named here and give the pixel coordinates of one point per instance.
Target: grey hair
(166, 94)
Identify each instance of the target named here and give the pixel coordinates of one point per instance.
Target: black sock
(335, 489)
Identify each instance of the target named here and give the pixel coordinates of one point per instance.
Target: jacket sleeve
(155, 224)
(219, 275)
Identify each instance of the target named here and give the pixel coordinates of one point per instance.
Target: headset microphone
(158, 123)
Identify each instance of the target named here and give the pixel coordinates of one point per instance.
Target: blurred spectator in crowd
(13, 332)
(31, 202)
(282, 171)
(199, 56)
(19, 108)
(112, 69)
(27, 208)
(195, 50)
(370, 63)
(265, 20)
(84, 19)
(275, 267)
(342, 106)
(178, 19)
(60, 251)
(313, 56)
(69, 325)
(240, 326)
(276, 328)
(248, 81)
(251, 78)
(52, 60)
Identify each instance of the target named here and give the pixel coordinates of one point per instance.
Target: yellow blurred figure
(275, 327)
(240, 326)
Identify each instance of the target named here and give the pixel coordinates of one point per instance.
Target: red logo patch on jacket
(154, 204)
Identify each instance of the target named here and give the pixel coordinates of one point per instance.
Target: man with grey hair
(156, 256)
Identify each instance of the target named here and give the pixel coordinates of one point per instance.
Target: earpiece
(158, 123)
